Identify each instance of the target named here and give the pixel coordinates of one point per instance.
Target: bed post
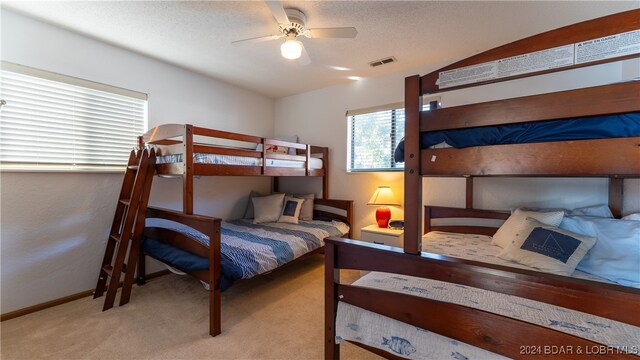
(215, 327)
(325, 178)
(427, 219)
(469, 195)
(412, 179)
(616, 188)
(140, 142)
(331, 278)
(187, 175)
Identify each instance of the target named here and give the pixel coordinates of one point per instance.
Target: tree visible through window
(373, 137)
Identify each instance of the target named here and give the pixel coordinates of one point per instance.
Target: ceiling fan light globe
(291, 49)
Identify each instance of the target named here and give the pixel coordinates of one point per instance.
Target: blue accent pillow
(547, 248)
(616, 254)
(551, 243)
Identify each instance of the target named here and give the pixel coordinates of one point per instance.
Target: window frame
(393, 118)
(72, 81)
(426, 105)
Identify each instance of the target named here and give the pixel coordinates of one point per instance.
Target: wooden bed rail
(492, 332)
(209, 226)
(327, 207)
(489, 331)
(615, 98)
(438, 212)
(612, 157)
(170, 134)
(583, 31)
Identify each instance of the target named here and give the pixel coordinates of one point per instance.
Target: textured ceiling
(197, 35)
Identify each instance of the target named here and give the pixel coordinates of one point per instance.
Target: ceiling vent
(384, 61)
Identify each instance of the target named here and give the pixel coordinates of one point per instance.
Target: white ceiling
(197, 35)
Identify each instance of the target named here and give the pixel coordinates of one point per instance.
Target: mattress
(478, 248)
(363, 326)
(247, 249)
(217, 159)
(593, 127)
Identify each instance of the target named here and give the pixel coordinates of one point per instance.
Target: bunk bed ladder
(127, 228)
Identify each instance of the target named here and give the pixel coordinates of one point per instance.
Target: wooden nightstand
(382, 236)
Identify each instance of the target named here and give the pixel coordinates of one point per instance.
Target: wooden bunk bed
(613, 158)
(182, 144)
(190, 151)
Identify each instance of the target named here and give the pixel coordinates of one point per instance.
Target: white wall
(55, 225)
(319, 117)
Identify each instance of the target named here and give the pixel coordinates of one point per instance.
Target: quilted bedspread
(247, 249)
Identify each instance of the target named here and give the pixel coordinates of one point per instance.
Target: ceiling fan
(292, 25)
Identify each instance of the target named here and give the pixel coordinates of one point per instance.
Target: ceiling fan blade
(338, 32)
(259, 39)
(304, 58)
(278, 12)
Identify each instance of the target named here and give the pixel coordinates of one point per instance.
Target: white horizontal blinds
(49, 123)
(373, 138)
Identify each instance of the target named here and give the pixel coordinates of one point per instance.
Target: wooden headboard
(440, 212)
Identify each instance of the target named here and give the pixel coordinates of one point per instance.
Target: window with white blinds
(54, 122)
(373, 136)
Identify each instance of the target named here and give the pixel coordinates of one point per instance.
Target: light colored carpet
(277, 316)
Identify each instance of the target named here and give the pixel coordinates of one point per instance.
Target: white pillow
(616, 255)
(505, 234)
(291, 210)
(593, 210)
(267, 208)
(635, 217)
(547, 248)
(248, 213)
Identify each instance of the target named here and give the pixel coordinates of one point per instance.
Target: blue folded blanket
(594, 127)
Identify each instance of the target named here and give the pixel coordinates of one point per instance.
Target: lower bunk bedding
(358, 325)
(247, 249)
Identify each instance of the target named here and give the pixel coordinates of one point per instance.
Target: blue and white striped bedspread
(258, 248)
(249, 249)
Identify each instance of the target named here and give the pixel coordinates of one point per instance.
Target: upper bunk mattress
(584, 128)
(363, 326)
(247, 249)
(217, 159)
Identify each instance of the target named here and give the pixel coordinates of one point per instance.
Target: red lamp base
(383, 214)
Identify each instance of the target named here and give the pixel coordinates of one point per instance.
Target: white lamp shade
(291, 49)
(383, 196)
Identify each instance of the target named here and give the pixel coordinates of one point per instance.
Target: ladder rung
(109, 269)
(125, 201)
(132, 167)
(116, 237)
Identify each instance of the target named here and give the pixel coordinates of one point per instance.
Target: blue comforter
(595, 127)
(247, 249)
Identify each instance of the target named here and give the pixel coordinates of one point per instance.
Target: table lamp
(383, 196)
